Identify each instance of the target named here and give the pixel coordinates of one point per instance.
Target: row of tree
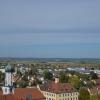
(85, 95)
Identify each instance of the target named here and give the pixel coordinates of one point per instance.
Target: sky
(50, 28)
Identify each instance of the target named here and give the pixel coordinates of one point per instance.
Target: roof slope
(22, 94)
(7, 97)
(57, 87)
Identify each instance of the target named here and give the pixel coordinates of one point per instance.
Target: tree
(33, 71)
(83, 76)
(93, 75)
(72, 72)
(48, 75)
(95, 97)
(76, 82)
(19, 73)
(84, 94)
(38, 81)
(63, 78)
(23, 84)
(25, 78)
(2, 76)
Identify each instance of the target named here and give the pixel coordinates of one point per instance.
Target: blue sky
(50, 28)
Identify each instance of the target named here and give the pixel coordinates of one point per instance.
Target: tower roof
(9, 68)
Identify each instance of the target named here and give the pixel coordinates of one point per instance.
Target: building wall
(62, 96)
(8, 79)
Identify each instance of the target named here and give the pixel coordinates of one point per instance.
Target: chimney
(56, 79)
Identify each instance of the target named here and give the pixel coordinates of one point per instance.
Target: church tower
(8, 88)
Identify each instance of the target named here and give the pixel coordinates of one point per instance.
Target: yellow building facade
(60, 96)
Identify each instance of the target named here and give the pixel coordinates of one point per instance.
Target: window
(71, 98)
(5, 90)
(59, 95)
(10, 89)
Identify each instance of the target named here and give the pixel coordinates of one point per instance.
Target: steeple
(8, 88)
(9, 68)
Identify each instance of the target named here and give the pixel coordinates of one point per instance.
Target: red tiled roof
(22, 94)
(7, 97)
(1, 93)
(16, 78)
(57, 87)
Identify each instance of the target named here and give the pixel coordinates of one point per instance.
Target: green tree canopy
(48, 75)
(93, 75)
(76, 82)
(63, 78)
(2, 76)
(95, 97)
(84, 94)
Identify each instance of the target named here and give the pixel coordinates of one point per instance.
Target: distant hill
(74, 60)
